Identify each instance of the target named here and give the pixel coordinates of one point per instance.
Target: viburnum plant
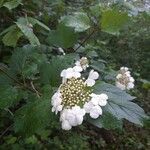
(58, 70)
(75, 97)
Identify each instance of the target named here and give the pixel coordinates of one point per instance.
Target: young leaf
(34, 21)
(120, 105)
(28, 32)
(30, 22)
(112, 21)
(79, 21)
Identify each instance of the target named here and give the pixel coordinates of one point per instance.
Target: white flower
(95, 112)
(95, 99)
(131, 79)
(93, 107)
(93, 75)
(130, 85)
(102, 99)
(88, 106)
(72, 117)
(71, 72)
(56, 102)
(66, 125)
(77, 69)
(99, 99)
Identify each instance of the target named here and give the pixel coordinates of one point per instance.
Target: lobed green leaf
(120, 105)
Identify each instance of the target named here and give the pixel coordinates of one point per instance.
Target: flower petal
(130, 85)
(131, 79)
(59, 108)
(121, 86)
(102, 99)
(95, 100)
(90, 82)
(69, 73)
(88, 106)
(63, 73)
(118, 76)
(77, 63)
(78, 68)
(76, 75)
(66, 125)
(93, 75)
(95, 112)
(94, 115)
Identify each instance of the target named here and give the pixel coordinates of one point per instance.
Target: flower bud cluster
(124, 80)
(83, 62)
(74, 92)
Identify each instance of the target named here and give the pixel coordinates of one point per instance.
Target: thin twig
(18, 82)
(37, 92)
(87, 38)
(6, 109)
(5, 131)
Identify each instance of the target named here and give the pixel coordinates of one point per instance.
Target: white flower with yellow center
(124, 80)
(74, 97)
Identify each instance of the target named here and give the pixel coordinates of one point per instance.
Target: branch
(5, 131)
(37, 92)
(18, 82)
(87, 38)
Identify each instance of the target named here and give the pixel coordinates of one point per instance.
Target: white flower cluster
(74, 97)
(124, 80)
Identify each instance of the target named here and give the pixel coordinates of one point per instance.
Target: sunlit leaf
(78, 20)
(112, 21)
